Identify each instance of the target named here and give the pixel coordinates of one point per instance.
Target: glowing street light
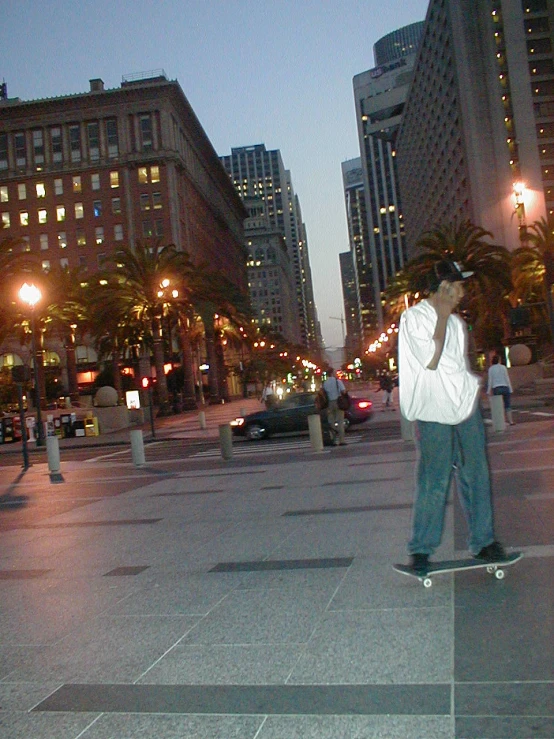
(31, 295)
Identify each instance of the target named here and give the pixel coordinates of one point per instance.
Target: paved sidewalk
(255, 599)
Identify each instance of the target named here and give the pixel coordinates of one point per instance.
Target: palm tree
(533, 268)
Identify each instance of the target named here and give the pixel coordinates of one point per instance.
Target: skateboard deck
(457, 565)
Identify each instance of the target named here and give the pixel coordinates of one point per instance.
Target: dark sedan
(291, 414)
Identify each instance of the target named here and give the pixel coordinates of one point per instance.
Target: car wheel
(254, 432)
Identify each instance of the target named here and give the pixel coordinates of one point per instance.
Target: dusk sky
(277, 72)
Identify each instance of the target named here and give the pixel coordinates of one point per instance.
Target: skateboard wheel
(499, 574)
(427, 582)
(491, 569)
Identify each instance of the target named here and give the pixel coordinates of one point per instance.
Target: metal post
(23, 427)
(40, 431)
(151, 401)
(226, 441)
(316, 435)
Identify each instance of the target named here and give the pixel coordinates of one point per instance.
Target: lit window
(5, 220)
(114, 179)
(43, 242)
(143, 175)
(81, 238)
(79, 210)
(42, 215)
(145, 201)
(60, 213)
(26, 246)
(58, 186)
(4, 194)
(95, 181)
(118, 232)
(24, 218)
(77, 183)
(157, 200)
(97, 208)
(62, 240)
(154, 174)
(99, 234)
(21, 192)
(41, 190)
(116, 206)
(45, 265)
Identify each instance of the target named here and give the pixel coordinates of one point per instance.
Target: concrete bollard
(406, 429)
(202, 419)
(316, 435)
(226, 441)
(53, 452)
(137, 448)
(497, 412)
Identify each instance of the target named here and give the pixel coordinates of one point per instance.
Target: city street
(254, 598)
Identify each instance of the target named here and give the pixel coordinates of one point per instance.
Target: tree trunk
(221, 373)
(161, 381)
(71, 364)
(189, 396)
(118, 385)
(207, 312)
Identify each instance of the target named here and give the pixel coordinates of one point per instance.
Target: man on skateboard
(440, 393)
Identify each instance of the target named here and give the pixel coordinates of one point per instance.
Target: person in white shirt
(439, 392)
(334, 387)
(499, 384)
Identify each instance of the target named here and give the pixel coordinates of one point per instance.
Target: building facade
(380, 95)
(83, 174)
(361, 308)
(257, 172)
(353, 339)
(480, 118)
(397, 44)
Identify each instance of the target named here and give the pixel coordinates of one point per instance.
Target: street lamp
(31, 295)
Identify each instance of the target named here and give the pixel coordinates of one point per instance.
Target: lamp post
(30, 294)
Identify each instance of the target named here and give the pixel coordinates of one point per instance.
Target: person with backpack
(334, 387)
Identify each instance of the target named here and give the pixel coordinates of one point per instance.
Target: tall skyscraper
(257, 172)
(380, 95)
(480, 118)
(361, 309)
(353, 340)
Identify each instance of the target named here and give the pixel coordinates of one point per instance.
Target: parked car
(291, 414)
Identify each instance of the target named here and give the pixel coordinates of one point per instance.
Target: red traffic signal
(145, 382)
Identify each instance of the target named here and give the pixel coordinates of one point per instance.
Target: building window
(114, 179)
(43, 242)
(24, 218)
(5, 220)
(157, 200)
(143, 175)
(93, 133)
(82, 262)
(45, 265)
(4, 194)
(144, 201)
(60, 213)
(145, 123)
(41, 190)
(147, 228)
(118, 232)
(100, 260)
(79, 211)
(58, 186)
(99, 234)
(62, 240)
(42, 215)
(56, 144)
(97, 208)
(81, 238)
(95, 181)
(111, 138)
(20, 150)
(38, 148)
(75, 142)
(116, 206)
(64, 263)
(26, 244)
(159, 226)
(77, 184)
(154, 173)
(21, 192)
(3, 151)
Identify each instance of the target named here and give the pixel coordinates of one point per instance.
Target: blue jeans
(443, 449)
(503, 390)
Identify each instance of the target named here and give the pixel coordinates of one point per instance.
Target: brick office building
(82, 174)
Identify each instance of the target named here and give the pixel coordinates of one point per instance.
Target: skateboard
(457, 565)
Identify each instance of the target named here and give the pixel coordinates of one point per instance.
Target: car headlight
(237, 422)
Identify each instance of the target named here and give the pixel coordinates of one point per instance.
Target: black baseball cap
(451, 271)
